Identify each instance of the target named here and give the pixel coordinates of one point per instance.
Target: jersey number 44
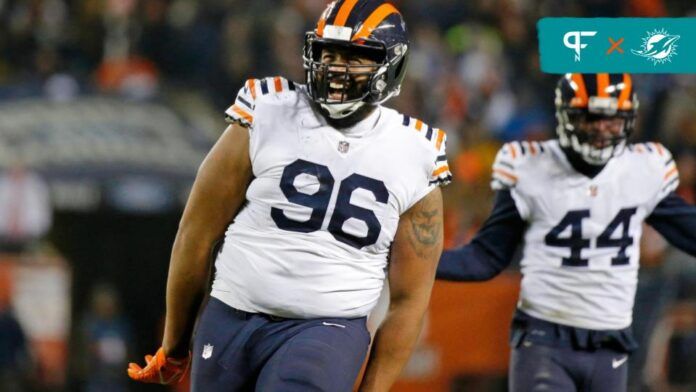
(576, 243)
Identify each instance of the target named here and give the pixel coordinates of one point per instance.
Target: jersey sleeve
(242, 111)
(664, 167)
(506, 172)
(433, 167)
(441, 175)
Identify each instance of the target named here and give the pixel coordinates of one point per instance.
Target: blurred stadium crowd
(473, 72)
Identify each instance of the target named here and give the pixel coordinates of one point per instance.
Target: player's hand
(160, 369)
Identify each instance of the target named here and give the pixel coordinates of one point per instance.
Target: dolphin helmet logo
(659, 46)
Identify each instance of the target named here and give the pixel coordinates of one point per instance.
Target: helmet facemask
(342, 77)
(343, 88)
(596, 133)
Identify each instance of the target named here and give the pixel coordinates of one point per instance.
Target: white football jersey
(581, 246)
(323, 206)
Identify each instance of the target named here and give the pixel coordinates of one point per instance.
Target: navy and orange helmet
(584, 98)
(369, 27)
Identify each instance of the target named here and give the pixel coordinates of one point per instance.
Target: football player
(576, 206)
(322, 185)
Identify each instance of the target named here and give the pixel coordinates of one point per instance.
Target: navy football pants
(239, 351)
(535, 367)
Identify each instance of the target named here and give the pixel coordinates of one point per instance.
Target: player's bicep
(220, 186)
(416, 249)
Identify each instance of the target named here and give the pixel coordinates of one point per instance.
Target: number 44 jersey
(581, 246)
(323, 206)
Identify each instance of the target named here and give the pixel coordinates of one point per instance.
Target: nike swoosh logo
(615, 363)
(333, 324)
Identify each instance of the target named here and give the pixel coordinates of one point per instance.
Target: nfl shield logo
(343, 146)
(593, 190)
(207, 351)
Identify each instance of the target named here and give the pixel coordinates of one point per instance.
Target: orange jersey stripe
(506, 174)
(581, 92)
(252, 87)
(602, 84)
(532, 148)
(419, 124)
(660, 150)
(278, 84)
(625, 96)
(344, 12)
(375, 18)
(513, 152)
(441, 170)
(670, 172)
(440, 138)
(243, 113)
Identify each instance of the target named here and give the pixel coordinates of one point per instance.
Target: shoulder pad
(242, 111)
(661, 159)
(510, 156)
(437, 138)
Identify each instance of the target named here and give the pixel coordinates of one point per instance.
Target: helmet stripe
(581, 90)
(320, 27)
(324, 16)
(344, 12)
(375, 18)
(602, 84)
(626, 93)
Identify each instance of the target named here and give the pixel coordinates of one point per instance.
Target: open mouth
(338, 90)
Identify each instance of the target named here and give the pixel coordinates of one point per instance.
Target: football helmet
(365, 28)
(596, 114)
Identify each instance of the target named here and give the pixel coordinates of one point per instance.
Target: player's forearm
(469, 263)
(491, 250)
(675, 219)
(216, 196)
(393, 345)
(413, 260)
(186, 284)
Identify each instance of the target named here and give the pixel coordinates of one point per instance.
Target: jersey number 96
(319, 203)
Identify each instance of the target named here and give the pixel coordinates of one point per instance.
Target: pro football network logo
(659, 46)
(572, 40)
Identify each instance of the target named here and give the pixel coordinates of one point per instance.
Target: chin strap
(341, 110)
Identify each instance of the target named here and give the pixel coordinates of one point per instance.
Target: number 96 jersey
(323, 206)
(581, 246)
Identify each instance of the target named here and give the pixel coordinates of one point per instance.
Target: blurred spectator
(15, 361)
(106, 339)
(133, 77)
(25, 209)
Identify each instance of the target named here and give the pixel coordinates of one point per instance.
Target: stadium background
(113, 103)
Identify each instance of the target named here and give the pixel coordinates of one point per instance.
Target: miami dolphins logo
(658, 47)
